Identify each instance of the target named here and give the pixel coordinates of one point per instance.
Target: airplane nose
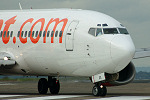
(122, 51)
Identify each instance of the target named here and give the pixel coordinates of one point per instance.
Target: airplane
(67, 42)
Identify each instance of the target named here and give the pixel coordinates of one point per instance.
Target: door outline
(70, 35)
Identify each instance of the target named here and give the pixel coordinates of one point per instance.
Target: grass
(62, 79)
(18, 79)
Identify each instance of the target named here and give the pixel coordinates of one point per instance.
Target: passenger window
(44, 33)
(11, 34)
(22, 33)
(60, 34)
(48, 33)
(40, 34)
(92, 31)
(98, 31)
(32, 33)
(36, 34)
(1, 33)
(18, 34)
(56, 33)
(25, 34)
(8, 34)
(52, 33)
(4, 33)
(29, 33)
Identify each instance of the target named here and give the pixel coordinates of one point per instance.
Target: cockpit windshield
(99, 31)
(110, 31)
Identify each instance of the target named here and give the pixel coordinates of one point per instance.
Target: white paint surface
(7, 96)
(50, 97)
(125, 98)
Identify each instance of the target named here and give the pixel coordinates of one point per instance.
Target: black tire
(99, 90)
(103, 91)
(55, 86)
(42, 86)
(95, 90)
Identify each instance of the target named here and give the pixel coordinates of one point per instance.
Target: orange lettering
(42, 20)
(1, 23)
(8, 23)
(56, 24)
(24, 40)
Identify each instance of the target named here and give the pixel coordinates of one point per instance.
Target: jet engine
(123, 77)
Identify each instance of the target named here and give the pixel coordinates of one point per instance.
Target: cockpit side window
(95, 31)
(123, 31)
(92, 31)
(98, 31)
(110, 31)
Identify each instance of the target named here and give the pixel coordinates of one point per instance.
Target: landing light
(101, 86)
(5, 58)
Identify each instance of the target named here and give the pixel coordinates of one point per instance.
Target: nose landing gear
(99, 89)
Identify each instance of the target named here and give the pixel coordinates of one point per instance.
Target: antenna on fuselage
(20, 6)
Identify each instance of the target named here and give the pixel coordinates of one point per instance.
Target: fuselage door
(70, 35)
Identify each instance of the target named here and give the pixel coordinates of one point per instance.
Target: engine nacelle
(6, 59)
(123, 77)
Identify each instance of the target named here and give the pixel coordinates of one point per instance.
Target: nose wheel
(99, 90)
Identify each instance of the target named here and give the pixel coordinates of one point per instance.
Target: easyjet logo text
(41, 21)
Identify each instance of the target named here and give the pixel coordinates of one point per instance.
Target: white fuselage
(75, 53)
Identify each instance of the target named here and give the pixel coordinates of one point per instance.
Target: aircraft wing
(142, 53)
(6, 59)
